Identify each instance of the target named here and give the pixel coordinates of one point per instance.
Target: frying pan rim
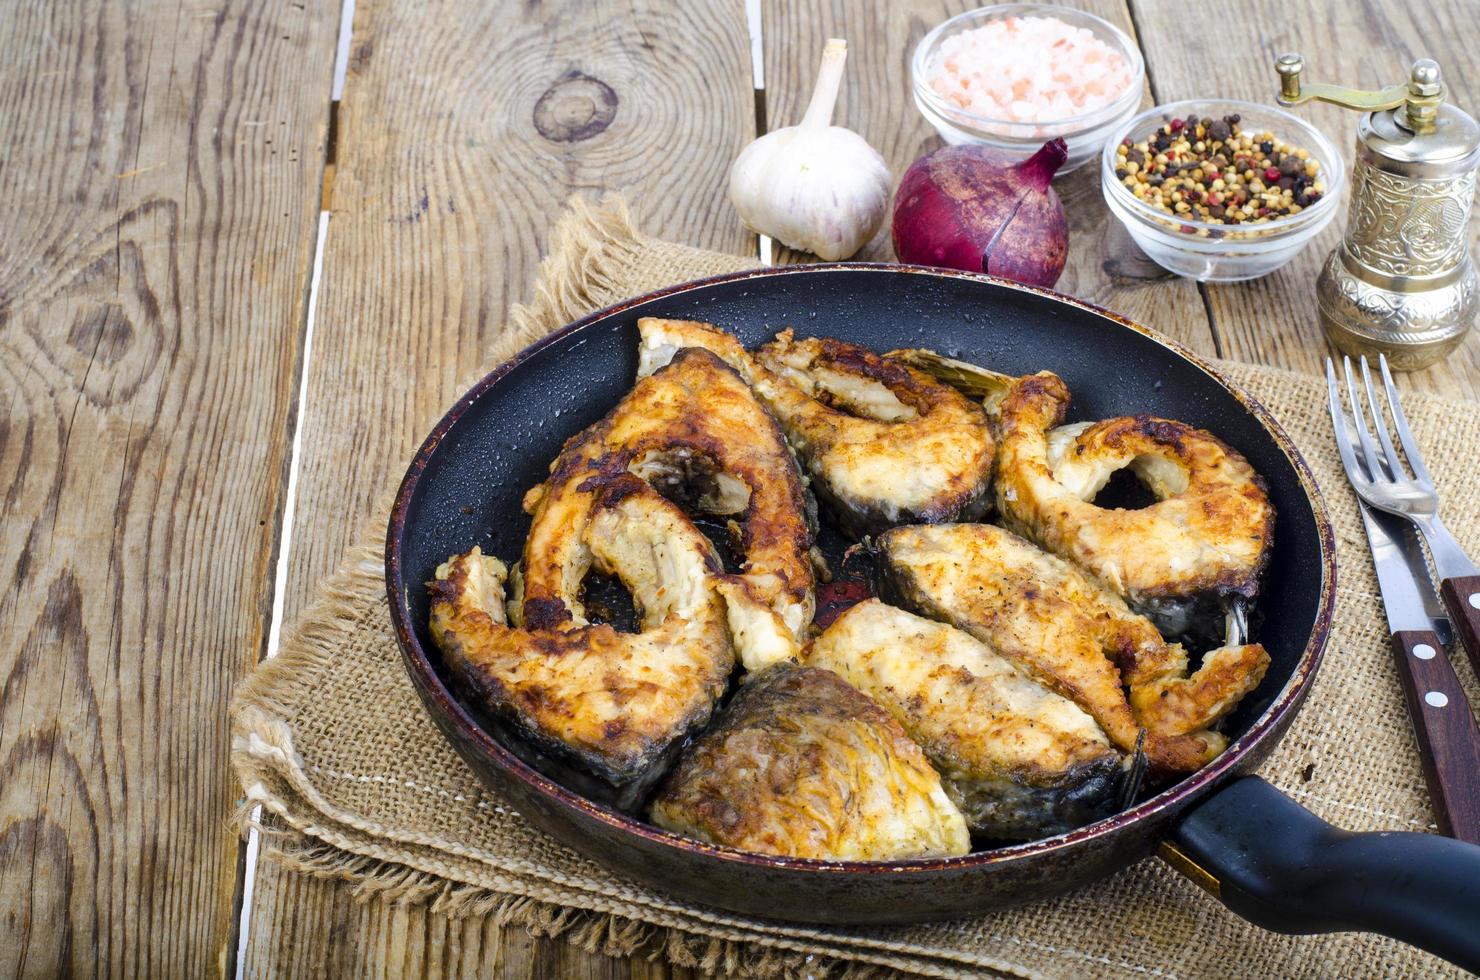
(1268, 724)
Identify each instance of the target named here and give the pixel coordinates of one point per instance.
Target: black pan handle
(1283, 868)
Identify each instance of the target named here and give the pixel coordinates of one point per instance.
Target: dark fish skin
(1011, 810)
(1200, 619)
(801, 764)
(624, 789)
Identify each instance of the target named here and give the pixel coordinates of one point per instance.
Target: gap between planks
(1156, 99)
(251, 849)
(758, 77)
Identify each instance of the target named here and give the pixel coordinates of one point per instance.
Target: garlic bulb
(815, 186)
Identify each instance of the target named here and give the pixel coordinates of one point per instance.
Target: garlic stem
(829, 78)
(813, 186)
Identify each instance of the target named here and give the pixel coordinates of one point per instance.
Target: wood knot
(102, 333)
(575, 108)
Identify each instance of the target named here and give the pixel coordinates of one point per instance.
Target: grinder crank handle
(1283, 868)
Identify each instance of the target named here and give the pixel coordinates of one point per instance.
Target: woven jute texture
(355, 782)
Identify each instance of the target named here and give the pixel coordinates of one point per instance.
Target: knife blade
(1443, 720)
(1418, 563)
(1408, 596)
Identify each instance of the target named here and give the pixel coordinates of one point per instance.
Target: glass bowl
(1211, 252)
(1085, 134)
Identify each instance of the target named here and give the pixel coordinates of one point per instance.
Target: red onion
(967, 207)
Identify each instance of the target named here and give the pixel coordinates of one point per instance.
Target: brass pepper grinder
(1401, 282)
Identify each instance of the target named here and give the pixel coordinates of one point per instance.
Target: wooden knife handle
(1462, 598)
(1448, 740)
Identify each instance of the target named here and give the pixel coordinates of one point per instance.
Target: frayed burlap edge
(592, 931)
(585, 245)
(593, 249)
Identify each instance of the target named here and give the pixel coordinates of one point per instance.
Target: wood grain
(1104, 266)
(160, 171)
(1444, 727)
(445, 189)
(1273, 320)
(323, 931)
(461, 134)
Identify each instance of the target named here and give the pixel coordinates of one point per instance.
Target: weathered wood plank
(876, 102)
(460, 138)
(1273, 320)
(450, 171)
(333, 935)
(160, 166)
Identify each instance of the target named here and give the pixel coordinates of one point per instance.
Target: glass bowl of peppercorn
(1221, 191)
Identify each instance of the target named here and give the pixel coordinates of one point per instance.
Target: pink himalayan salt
(1028, 69)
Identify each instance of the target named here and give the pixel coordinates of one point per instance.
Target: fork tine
(1392, 462)
(1342, 427)
(1405, 434)
(1369, 451)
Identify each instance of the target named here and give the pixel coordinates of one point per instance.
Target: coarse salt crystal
(1028, 70)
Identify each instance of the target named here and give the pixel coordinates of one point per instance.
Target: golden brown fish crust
(1020, 760)
(1073, 634)
(884, 444)
(604, 707)
(800, 764)
(1209, 533)
(697, 427)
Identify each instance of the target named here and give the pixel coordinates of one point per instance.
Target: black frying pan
(1262, 854)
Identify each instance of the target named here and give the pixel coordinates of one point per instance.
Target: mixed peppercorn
(1210, 170)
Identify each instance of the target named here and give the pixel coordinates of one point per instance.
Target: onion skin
(971, 208)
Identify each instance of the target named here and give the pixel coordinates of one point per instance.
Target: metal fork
(1443, 719)
(1380, 479)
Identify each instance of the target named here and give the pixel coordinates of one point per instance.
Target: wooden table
(183, 420)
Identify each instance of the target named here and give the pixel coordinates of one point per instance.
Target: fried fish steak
(883, 443)
(1073, 634)
(695, 431)
(1018, 759)
(1184, 561)
(606, 710)
(800, 764)
(1204, 542)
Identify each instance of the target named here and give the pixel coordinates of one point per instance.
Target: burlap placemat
(330, 739)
